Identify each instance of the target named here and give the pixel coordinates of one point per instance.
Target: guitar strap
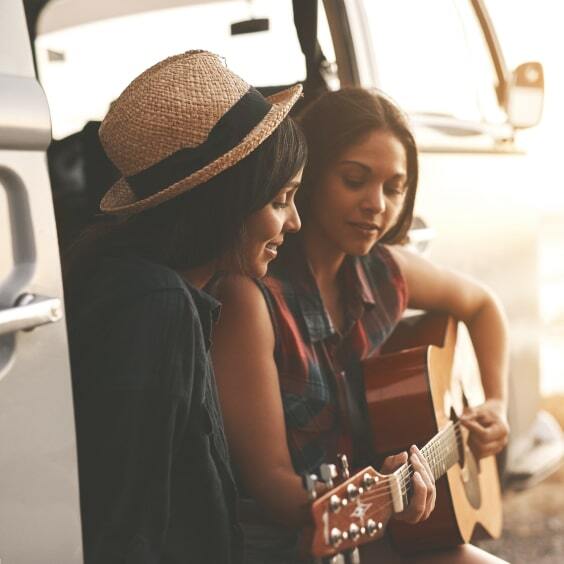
(356, 410)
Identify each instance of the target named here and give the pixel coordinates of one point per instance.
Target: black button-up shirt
(155, 480)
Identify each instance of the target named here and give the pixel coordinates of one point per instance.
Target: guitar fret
(441, 453)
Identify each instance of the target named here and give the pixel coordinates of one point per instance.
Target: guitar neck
(441, 452)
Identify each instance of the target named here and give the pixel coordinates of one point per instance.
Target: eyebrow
(369, 169)
(292, 185)
(365, 167)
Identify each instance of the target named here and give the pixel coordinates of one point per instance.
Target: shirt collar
(295, 267)
(208, 311)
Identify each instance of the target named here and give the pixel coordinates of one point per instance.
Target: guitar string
(436, 449)
(383, 484)
(406, 473)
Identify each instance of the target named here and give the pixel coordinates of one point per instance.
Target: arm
(132, 424)
(247, 378)
(431, 287)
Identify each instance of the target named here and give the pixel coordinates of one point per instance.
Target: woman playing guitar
(333, 296)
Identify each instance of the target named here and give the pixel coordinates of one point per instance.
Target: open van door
(39, 502)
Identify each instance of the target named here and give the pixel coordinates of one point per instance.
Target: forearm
(280, 493)
(488, 331)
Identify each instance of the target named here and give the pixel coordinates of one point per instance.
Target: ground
(534, 519)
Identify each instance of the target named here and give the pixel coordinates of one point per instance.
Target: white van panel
(39, 502)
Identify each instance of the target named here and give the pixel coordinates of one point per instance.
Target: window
(83, 68)
(432, 58)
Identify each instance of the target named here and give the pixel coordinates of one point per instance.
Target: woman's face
(361, 195)
(265, 229)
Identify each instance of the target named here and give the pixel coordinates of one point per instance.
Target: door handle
(30, 311)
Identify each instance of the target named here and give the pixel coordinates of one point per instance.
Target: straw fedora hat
(180, 123)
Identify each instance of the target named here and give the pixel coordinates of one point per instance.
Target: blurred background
(532, 30)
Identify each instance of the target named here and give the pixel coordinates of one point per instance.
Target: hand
(488, 427)
(424, 493)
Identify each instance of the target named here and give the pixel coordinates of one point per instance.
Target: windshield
(83, 68)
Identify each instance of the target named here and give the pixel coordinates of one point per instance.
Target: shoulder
(142, 275)
(132, 291)
(245, 313)
(238, 293)
(384, 263)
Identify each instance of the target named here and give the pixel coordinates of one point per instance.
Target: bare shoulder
(407, 259)
(244, 312)
(238, 291)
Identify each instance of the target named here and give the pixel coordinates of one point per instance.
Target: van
(62, 62)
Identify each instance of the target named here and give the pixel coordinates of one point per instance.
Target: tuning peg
(337, 559)
(328, 473)
(344, 466)
(309, 481)
(352, 556)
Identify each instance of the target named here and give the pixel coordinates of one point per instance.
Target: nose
(375, 200)
(293, 222)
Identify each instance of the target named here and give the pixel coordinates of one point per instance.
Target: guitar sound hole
(471, 479)
(470, 469)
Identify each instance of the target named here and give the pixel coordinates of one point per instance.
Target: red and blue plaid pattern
(312, 356)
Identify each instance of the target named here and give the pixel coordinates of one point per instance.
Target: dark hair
(202, 224)
(337, 120)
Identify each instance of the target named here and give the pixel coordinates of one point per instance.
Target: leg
(381, 552)
(463, 554)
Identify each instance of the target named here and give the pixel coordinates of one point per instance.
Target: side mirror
(525, 97)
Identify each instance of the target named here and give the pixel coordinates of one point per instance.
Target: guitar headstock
(349, 514)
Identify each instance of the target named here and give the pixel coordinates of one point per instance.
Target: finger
(480, 413)
(416, 509)
(468, 411)
(393, 462)
(422, 467)
(487, 449)
(486, 434)
(429, 481)
(424, 462)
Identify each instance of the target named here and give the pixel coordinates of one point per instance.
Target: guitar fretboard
(441, 452)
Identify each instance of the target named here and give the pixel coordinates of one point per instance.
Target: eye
(281, 201)
(353, 182)
(395, 189)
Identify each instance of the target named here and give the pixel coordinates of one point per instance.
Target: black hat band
(227, 133)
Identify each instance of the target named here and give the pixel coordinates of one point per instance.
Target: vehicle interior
(79, 171)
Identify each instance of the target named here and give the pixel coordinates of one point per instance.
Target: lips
(273, 245)
(366, 226)
(272, 248)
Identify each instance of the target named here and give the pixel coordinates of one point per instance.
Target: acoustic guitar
(415, 390)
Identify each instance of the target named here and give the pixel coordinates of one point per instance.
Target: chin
(359, 249)
(258, 269)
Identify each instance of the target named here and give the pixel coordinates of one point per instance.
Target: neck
(323, 257)
(199, 276)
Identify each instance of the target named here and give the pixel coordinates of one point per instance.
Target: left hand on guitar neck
(488, 427)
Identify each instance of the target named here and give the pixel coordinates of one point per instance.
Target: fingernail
(413, 448)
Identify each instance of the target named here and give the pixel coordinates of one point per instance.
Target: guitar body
(411, 395)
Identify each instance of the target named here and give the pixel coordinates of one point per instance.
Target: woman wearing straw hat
(208, 171)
